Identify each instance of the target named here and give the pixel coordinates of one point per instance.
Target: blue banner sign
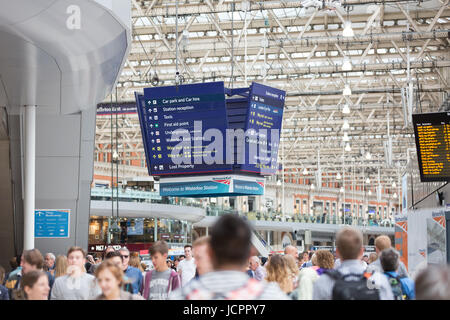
(49, 223)
(208, 186)
(135, 227)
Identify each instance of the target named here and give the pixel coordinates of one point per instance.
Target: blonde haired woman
(278, 271)
(60, 266)
(293, 268)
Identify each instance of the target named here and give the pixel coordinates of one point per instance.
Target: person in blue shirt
(132, 273)
(389, 259)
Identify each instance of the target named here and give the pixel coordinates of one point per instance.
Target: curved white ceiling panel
(64, 55)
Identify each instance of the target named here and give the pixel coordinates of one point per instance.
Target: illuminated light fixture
(279, 183)
(368, 156)
(395, 195)
(115, 156)
(370, 192)
(338, 176)
(394, 185)
(368, 180)
(305, 171)
(313, 186)
(346, 64)
(347, 147)
(346, 138)
(342, 190)
(346, 125)
(347, 91)
(348, 31)
(346, 109)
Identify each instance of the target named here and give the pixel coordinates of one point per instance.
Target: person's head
(169, 263)
(433, 283)
(143, 266)
(323, 259)
(230, 243)
(349, 243)
(90, 259)
(291, 250)
(254, 263)
(314, 260)
(31, 260)
(365, 258)
(372, 257)
(108, 250)
(382, 242)
(188, 251)
(125, 253)
(50, 260)
(176, 262)
(201, 255)
(60, 266)
(35, 285)
(182, 257)
(278, 271)
(305, 256)
(135, 262)
(159, 252)
(115, 257)
(291, 264)
(389, 259)
(310, 255)
(13, 263)
(76, 256)
(109, 277)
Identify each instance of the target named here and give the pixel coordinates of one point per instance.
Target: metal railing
(302, 218)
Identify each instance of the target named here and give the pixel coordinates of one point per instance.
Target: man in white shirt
(186, 267)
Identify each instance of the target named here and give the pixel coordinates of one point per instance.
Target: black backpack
(354, 289)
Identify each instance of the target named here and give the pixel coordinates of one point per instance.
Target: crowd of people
(224, 266)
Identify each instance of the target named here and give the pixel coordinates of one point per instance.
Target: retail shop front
(138, 234)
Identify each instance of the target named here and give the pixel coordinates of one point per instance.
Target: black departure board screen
(432, 132)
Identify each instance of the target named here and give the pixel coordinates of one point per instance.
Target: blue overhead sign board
(264, 120)
(191, 129)
(194, 108)
(50, 223)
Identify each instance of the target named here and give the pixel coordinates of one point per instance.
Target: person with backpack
(381, 243)
(229, 250)
(349, 281)
(402, 287)
(162, 280)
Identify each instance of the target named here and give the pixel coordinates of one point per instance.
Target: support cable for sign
(178, 78)
(231, 84)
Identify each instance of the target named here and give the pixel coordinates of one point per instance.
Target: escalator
(260, 245)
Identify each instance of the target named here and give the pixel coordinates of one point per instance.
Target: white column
(29, 176)
(207, 231)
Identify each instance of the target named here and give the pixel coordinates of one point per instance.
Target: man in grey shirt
(77, 284)
(381, 243)
(349, 249)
